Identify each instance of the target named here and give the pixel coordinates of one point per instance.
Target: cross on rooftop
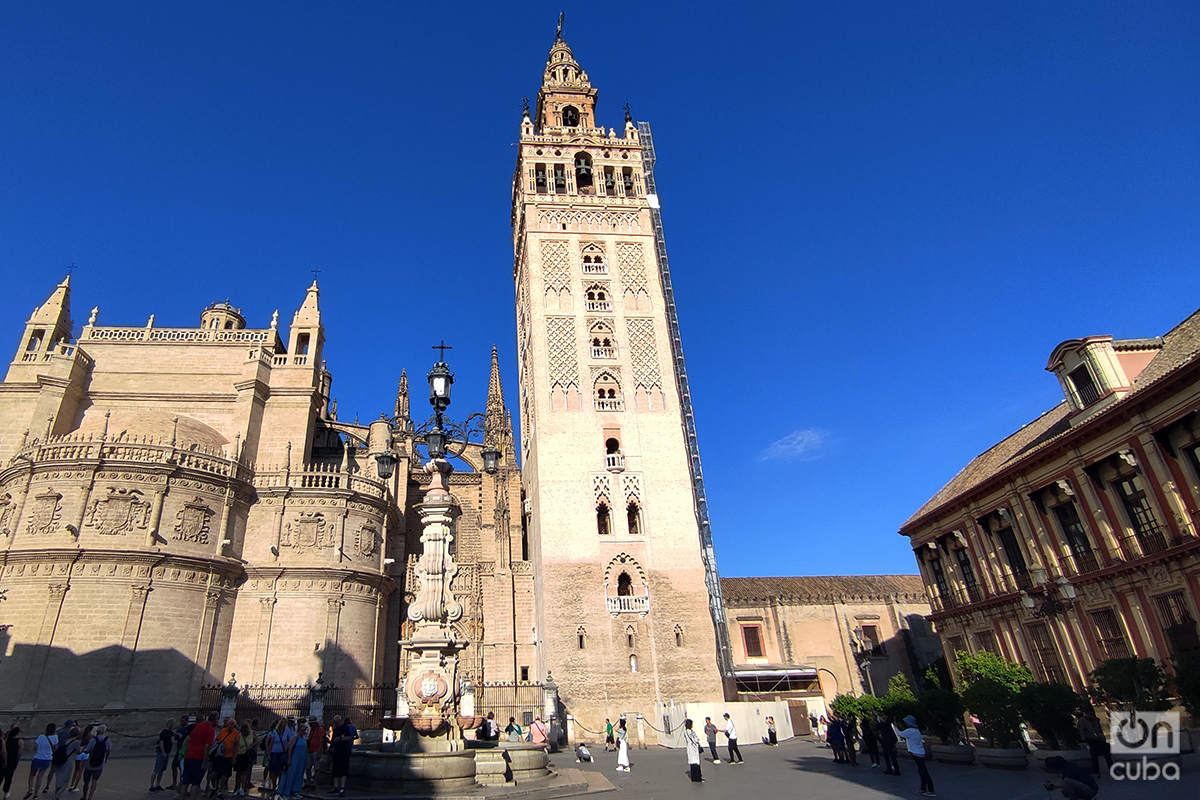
(315, 273)
(71, 269)
(443, 347)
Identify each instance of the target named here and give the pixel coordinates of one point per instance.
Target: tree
(990, 686)
(942, 711)
(1051, 708)
(899, 701)
(845, 706)
(1131, 684)
(1187, 681)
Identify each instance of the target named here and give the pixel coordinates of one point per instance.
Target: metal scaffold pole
(716, 599)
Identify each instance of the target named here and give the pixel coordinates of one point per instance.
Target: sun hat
(910, 721)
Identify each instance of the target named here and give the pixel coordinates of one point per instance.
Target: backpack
(60, 755)
(99, 753)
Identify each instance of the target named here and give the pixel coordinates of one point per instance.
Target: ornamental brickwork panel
(556, 265)
(560, 348)
(643, 350)
(631, 260)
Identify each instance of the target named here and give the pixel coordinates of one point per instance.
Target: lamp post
(862, 655)
(1050, 605)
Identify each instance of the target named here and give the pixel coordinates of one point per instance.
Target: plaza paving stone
(798, 768)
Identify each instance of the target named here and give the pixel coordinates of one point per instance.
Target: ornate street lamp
(1051, 605)
(491, 460)
(385, 464)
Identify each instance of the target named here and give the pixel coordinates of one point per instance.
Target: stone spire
(54, 315)
(401, 413)
(567, 98)
(497, 429)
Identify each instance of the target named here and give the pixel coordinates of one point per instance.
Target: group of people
(64, 759)
(878, 738)
(202, 755)
(489, 730)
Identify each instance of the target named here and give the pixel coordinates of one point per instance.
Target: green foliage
(996, 705)
(942, 712)
(899, 701)
(1187, 682)
(845, 706)
(1050, 708)
(973, 667)
(1131, 683)
(868, 706)
(990, 686)
(937, 675)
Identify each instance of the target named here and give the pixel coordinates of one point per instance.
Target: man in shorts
(195, 757)
(97, 749)
(609, 739)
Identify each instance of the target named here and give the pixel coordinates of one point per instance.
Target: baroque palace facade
(1074, 540)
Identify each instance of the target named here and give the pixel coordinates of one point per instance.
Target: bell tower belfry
(623, 565)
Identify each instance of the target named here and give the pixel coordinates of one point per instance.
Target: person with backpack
(14, 746)
(81, 759)
(513, 730)
(39, 767)
(275, 744)
(63, 761)
(97, 749)
(223, 752)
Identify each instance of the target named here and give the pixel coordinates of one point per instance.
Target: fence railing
(522, 701)
(365, 706)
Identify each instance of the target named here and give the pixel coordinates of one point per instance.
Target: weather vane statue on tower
(558, 30)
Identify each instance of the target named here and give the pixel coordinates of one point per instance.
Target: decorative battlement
(76, 447)
(58, 351)
(175, 335)
(320, 476)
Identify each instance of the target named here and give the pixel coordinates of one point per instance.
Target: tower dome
(222, 316)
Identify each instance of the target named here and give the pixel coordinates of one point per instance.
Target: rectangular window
(1045, 652)
(752, 638)
(525, 671)
(627, 181)
(1085, 387)
(1015, 558)
(1177, 623)
(986, 640)
(870, 635)
(957, 645)
(1109, 634)
(560, 179)
(1151, 536)
(939, 581)
(541, 179)
(1077, 538)
(967, 569)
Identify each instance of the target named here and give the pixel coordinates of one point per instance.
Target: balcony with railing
(610, 404)
(595, 269)
(1079, 563)
(604, 352)
(628, 604)
(1152, 539)
(614, 462)
(597, 305)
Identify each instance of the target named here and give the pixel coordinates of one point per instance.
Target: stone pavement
(797, 768)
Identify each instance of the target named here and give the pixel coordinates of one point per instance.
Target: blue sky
(881, 216)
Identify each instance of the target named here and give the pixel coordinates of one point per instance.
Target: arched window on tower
(541, 179)
(593, 260)
(583, 171)
(633, 516)
(597, 297)
(603, 519)
(630, 636)
(560, 179)
(624, 585)
(678, 636)
(581, 637)
(632, 662)
(607, 393)
(603, 342)
(570, 116)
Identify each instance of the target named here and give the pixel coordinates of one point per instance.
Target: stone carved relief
(631, 260)
(632, 485)
(643, 351)
(193, 522)
(591, 221)
(560, 347)
(8, 513)
(119, 512)
(45, 512)
(366, 540)
(602, 489)
(308, 531)
(556, 265)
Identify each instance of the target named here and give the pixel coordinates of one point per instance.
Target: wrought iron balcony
(614, 462)
(604, 352)
(597, 305)
(610, 405)
(595, 269)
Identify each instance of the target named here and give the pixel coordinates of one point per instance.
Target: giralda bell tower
(628, 603)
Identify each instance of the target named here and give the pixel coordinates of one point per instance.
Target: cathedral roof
(822, 588)
(1181, 346)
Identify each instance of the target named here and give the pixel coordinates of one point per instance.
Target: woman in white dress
(693, 751)
(622, 747)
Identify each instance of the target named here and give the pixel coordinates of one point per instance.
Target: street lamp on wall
(491, 460)
(1051, 605)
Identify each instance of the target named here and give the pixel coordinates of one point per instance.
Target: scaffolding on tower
(716, 599)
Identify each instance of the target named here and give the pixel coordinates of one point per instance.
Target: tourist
(610, 740)
(916, 748)
(513, 730)
(164, 748)
(63, 761)
(341, 745)
(693, 751)
(491, 728)
(735, 755)
(772, 733)
(81, 758)
(243, 760)
(537, 731)
(197, 745)
(850, 731)
(1091, 733)
(291, 784)
(39, 768)
(14, 747)
(710, 735)
(316, 748)
(870, 743)
(886, 735)
(185, 725)
(275, 744)
(622, 746)
(98, 750)
(814, 727)
(1077, 783)
(224, 751)
(835, 737)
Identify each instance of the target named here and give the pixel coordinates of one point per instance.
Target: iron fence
(521, 701)
(365, 706)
